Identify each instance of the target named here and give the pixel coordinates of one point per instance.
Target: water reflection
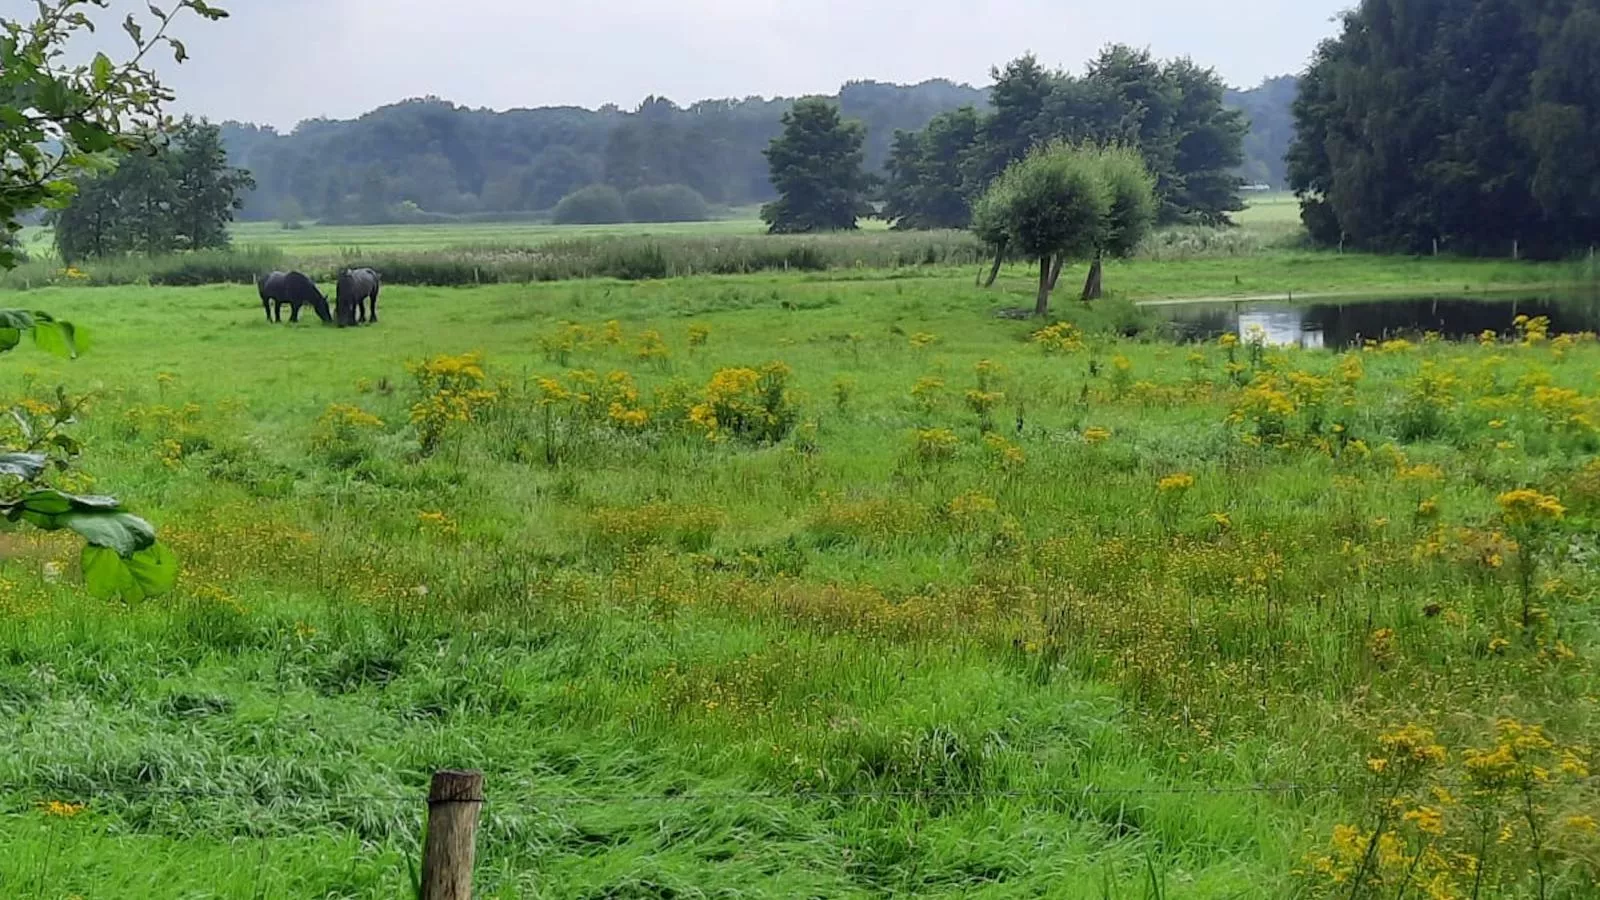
(1339, 325)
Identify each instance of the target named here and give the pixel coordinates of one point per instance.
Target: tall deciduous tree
(177, 193)
(1132, 211)
(208, 190)
(1208, 146)
(1054, 203)
(56, 116)
(817, 170)
(1066, 201)
(1173, 113)
(925, 187)
(1018, 99)
(1470, 126)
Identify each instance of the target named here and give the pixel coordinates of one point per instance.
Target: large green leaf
(59, 338)
(19, 319)
(49, 333)
(26, 466)
(41, 506)
(151, 572)
(107, 575)
(123, 532)
(100, 520)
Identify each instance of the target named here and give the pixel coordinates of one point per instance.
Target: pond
(1347, 323)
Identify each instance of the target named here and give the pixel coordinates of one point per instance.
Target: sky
(281, 61)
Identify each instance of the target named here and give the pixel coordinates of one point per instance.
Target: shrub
(597, 204)
(450, 390)
(625, 257)
(753, 406)
(666, 203)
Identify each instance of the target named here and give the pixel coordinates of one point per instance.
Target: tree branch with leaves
(58, 120)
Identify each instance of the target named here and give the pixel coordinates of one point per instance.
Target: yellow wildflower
(1175, 484)
(62, 810)
(1427, 819)
(1527, 506)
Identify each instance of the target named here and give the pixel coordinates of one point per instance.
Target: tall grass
(627, 258)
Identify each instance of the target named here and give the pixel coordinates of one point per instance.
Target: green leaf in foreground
(100, 520)
(150, 572)
(42, 507)
(122, 532)
(58, 338)
(26, 466)
(49, 333)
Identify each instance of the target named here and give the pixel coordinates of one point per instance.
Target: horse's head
(320, 304)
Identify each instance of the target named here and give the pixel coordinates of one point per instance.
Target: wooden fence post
(451, 840)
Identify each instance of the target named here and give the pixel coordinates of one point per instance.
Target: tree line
(1468, 126)
(174, 191)
(1172, 112)
(428, 158)
(1056, 202)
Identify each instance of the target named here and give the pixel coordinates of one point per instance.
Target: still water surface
(1338, 325)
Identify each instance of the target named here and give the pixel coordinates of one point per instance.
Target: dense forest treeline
(1171, 111)
(429, 157)
(1468, 127)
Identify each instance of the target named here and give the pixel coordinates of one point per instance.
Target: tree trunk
(1042, 308)
(1055, 271)
(994, 272)
(1092, 288)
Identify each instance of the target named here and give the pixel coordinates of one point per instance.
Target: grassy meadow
(325, 239)
(816, 585)
(1263, 256)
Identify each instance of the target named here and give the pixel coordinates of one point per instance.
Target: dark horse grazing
(357, 297)
(294, 289)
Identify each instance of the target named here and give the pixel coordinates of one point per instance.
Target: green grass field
(323, 240)
(938, 606)
(315, 239)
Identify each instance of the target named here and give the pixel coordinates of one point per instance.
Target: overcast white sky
(281, 61)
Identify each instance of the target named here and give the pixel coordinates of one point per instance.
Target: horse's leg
(294, 311)
(375, 305)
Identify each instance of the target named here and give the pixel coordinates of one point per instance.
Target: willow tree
(1053, 204)
(1131, 214)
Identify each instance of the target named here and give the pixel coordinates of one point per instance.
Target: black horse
(294, 289)
(357, 297)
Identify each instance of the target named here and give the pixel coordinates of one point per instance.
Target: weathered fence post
(451, 839)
